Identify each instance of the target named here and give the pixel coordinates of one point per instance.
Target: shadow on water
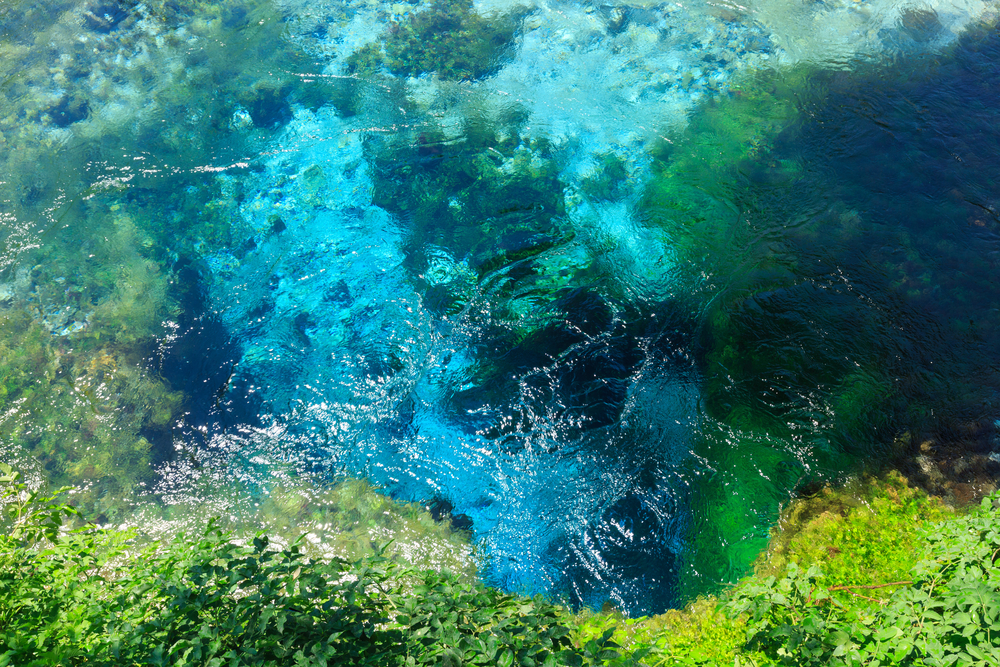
(200, 359)
(853, 306)
(910, 154)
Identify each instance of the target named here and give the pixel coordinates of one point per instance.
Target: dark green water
(239, 246)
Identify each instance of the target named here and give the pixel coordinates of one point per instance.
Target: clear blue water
(606, 297)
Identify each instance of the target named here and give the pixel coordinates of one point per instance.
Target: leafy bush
(92, 596)
(84, 595)
(948, 613)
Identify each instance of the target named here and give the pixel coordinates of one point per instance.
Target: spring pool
(601, 285)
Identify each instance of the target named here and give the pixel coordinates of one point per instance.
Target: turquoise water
(603, 285)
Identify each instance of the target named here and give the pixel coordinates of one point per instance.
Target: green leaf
(976, 652)
(886, 634)
(901, 650)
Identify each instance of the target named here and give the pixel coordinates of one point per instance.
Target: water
(603, 285)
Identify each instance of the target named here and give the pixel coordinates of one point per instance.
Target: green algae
(793, 395)
(77, 331)
(488, 201)
(105, 202)
(699, 634)
(609, 180)
(448, 38)
(700, 193)
(742, 466)
(348, 519)
(789, 398)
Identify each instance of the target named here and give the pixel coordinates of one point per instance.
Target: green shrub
(74, 596)
(95, 597)
(947, 613)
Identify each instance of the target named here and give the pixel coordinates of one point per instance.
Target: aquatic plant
(77, 332)
(609, 180)
(486, 198)
(868, 532)
(700, 634)
(712, 185)
(348, 518)
(448, 38)
(783, 254)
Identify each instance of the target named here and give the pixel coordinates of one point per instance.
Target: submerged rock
(922, 25)
(68, 110)
(107, 16)
(449, 39)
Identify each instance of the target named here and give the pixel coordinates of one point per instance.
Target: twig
(865, 597)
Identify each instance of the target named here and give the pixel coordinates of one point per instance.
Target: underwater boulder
(269, 107)
(921, 24)
(105, 17)
(68, 110)
(448, 38)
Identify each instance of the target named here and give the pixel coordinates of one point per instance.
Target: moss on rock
(868, 532)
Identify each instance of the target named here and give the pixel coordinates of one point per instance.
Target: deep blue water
(606, 303)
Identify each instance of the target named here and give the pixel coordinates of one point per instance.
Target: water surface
(602, 285)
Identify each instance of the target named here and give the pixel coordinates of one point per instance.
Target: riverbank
(838, 578)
